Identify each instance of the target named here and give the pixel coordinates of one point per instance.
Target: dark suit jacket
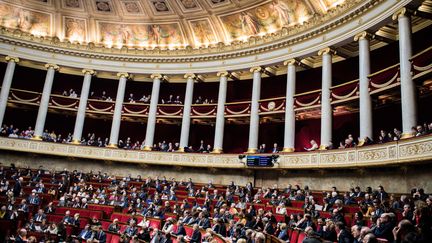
(17, 189)
(100, 236)
(345, 237)
(180, 231)
(196, 237)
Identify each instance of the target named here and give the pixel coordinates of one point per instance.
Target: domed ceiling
(159, 23)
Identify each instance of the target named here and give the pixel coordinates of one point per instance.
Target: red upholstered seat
(280, 217)
(301, 237)
(294, 236)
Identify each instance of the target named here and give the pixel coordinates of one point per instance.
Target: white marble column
(115, 126)
(366, 126)
(184, 136)
(289, 132)
(80, 117)
(44, 103)
(254, 114)
(6, 85)
(326, 108)
(408, 89)
(151, 121)
(220, 115)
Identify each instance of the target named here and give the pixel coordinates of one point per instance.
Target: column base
(38, 138)
(288, 150)
(180, 150)
(147, 148)
(112, 145)
(76, 141)
(360, 142)
(217, 151)
(407, 135)
(323, 147)
(251, 151)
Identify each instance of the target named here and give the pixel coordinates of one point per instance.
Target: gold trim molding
(12, 59)
(364, 35)
(88, 71)
(404, 151)
(53, 66)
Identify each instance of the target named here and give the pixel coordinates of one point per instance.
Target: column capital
(256, 69)
(400, 13)
(223, 74)
(88, 71)
(190, 75)
(123, 75)
(326, 50)
(292, 62)
(53, 66)
(156, 76)
(364, 35)
(12, 59)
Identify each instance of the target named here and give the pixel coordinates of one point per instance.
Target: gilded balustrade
(405, 151)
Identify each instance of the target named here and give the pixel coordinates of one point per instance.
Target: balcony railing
(405, 151)
(380, 82)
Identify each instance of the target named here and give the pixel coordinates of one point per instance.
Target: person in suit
(39, 216)
(181, 231)
(18, 187)
(23, 207)
(114, 226)
(275, 148)
(85, 234)
(203, 222)
(34, 198)
(196, 234)
(384, 227)
(98, 236)
(356, 233)
(22, 236)
(343, 236)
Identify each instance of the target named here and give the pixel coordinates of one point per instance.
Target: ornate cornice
(317, 25)
(12, 59)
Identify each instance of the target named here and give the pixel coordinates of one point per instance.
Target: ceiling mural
(27, 20)
(141, 34)
(163, 23)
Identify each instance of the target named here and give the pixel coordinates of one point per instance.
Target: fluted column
(326, 108)
(7, 82)
(184, 136)
(43, 105)
(80, 117)
(366, 126)
(115, 126)
(289, 132)
(408, 89)
(220, 115)
(151, 121)
(254, 115)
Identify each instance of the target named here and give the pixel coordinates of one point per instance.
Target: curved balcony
(380, 82)
(405, 151)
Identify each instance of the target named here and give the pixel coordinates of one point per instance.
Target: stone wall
(398, 179)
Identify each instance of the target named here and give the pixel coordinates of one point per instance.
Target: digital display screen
(259, 161)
